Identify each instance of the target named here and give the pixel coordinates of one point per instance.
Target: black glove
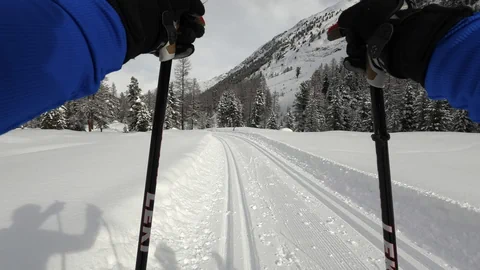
(142, 20)
(415, 35)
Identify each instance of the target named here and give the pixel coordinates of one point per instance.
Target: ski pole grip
(335, 32)
(376, 76)
(168, 50)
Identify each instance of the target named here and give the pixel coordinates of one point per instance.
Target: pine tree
(394, 94)
(335, 116)
(143, 116)
(104, 106)
(300, 105)
(408, 113)
(298, 72)
(290, 119)
(461, 122)
(272, 121)
(437, 116)
(361, 119)
(114, 90)
(97, 110)
(139, 115)
(123, 109)
(182, 71)
(194, 106)
(420, 106)
(314, 120)
(268, 108)
(258, 109)
(237, 119)
(74, 116)
(203, 121)
(54, 119)
(172, 116)
(230, 110)
(149, 99)
(326, 82)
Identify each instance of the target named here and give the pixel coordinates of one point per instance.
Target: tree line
(337, 99)
(333, 99)
(132, 107)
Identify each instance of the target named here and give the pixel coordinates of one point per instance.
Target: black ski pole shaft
(153, 161)
(381, 138)
(376, 77)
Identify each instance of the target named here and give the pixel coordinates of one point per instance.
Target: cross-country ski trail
(274, 215)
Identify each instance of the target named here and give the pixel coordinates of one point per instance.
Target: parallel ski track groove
(252, 250)
(228, 248)
(318, 192)
(316, 233)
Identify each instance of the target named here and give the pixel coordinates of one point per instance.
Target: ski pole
(381, 137)
(376, 77)
(166, 55)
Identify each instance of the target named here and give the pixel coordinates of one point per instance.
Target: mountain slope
(305, 46)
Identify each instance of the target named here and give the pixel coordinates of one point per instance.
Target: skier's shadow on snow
(221, 263)
(24, 246)
(166, 257)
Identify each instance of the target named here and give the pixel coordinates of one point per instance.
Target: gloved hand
(415, 35)
(142, 20)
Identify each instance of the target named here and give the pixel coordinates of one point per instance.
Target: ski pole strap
(167, 51)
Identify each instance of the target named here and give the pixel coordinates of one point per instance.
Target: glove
(415, 34)
(146, 33)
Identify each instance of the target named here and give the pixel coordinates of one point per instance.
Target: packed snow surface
(244, 199)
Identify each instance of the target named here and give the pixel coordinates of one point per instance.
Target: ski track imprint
(301, 242)
(311, 235)
(235, 189)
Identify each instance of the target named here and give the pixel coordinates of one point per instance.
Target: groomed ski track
(278, 216)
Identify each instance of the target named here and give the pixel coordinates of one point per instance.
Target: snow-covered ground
(249, 199)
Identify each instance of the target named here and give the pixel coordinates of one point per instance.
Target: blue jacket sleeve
(52, 51)
(454, 69)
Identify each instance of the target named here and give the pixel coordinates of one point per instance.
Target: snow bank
(99, 179)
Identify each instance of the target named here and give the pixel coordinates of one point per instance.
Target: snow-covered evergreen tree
(408, 113)
(104, 105)
(114, 90)
(194, 104)
(335, 116)
(290, 119)
(272, 121)
(362, 115)
(301, 101)
(149, 99)
(74, 115)
(54, 119)
(172, 116)
(314, 119)
(230, 110)
(437, 116)
(461, 122)
(141, 116)
(182, 84)
(420, 106)
(123, 109)
(258, 110)
(138, 110)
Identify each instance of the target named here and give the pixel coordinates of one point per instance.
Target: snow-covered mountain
(305, 46)
(205, 85)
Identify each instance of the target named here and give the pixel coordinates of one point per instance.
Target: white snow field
(249, 199)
